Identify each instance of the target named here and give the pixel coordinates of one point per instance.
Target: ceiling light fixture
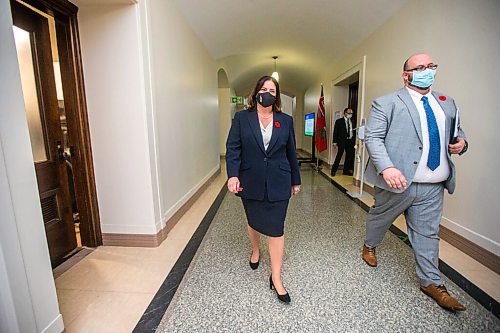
(275, 73)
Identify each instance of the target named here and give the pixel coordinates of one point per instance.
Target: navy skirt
(265, 216)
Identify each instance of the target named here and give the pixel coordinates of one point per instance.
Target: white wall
(311, 102)
(224, 96)
(226, 108)
(28, 301)
(152, 98)
(462, 37)
(226, 115)
(299, 121)
(116, 99)
(287, 104)
(184, 84)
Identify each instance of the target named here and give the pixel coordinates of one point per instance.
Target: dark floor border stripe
(156, 310)
(470, 288)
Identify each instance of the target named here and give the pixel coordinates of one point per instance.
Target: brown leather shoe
(369, 256)
(442, 297)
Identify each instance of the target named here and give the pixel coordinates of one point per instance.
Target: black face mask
(265, 99)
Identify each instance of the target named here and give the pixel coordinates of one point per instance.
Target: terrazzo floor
(332, 289)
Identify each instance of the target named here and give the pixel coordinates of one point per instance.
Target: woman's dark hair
(258, 86)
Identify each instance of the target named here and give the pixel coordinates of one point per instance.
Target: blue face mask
(423, 79)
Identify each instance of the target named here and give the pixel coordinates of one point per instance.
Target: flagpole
(317, 159)
(363, 122)
(315, 129)
(319, 143)
(361, 136)
(313, 142)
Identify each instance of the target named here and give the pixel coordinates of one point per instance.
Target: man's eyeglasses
(422, 68)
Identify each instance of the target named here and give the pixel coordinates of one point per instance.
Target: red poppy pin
(277, 124)
(442, 98)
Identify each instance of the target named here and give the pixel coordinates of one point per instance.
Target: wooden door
(353, 102)
(31, 32)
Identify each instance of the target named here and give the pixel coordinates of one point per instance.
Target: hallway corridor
(332, 290)
(116, 114)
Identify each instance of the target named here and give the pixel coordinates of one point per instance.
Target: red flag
(320, 133)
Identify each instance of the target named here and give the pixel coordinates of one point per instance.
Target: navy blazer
(275, 169)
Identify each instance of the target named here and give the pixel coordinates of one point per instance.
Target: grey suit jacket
(393, 137)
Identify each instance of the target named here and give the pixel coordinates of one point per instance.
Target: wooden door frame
(68, 38)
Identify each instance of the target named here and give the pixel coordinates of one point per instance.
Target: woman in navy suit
(263, 170)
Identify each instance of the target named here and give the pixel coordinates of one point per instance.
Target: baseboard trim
(154, 240)
(56, 326)
(133, 240)
(367, 188)
(481, 255)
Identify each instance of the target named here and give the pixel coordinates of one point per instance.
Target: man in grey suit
(408, 137)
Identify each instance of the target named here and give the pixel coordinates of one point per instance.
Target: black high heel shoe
(284, 298)
(254, 265)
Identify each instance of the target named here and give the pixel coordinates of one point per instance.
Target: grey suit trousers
(422, 204)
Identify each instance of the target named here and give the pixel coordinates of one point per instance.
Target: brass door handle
(64, 154)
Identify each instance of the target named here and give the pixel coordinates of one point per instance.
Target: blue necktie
(434, 142)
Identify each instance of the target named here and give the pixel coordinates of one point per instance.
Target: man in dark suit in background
(343, 139)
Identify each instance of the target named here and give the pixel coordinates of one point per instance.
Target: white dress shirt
(348, 126)
(423, 173)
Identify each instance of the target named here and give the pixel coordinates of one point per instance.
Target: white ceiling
(306, 35)
(80, 3)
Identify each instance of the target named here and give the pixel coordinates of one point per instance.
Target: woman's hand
(233, 185)
(295, 189)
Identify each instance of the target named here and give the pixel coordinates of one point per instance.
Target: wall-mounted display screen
(309, 124)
